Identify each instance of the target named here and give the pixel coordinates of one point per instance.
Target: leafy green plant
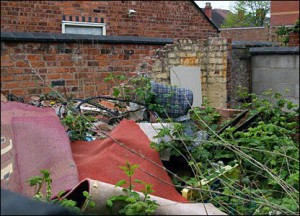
(40, 181)
(209, 116)
(132, 203)
(78, 125)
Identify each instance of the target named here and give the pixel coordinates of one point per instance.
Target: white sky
(216, 4)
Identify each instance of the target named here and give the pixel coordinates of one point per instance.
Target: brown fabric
(32, 139)
(100, 160)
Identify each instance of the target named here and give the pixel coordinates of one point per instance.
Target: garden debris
(98, 159)
(234, 122)
(151, 130)
(248, 122)
(35, 101)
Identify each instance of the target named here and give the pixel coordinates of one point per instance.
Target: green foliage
(247, 14)
(284, 32)
(265, 156)
(131, 202)
(209, 116)
(78, 125)
(40, 181)
(136, 89)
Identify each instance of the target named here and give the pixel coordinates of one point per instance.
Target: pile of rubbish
(94, 167)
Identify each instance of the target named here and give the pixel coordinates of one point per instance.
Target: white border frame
(73, 23)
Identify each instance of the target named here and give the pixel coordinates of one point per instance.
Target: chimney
(208, 10)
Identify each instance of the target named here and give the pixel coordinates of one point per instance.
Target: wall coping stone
(244, 44)
(243, 28)
(70, 38)
(274, 50)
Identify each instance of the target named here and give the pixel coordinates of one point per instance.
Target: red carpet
(100, 160)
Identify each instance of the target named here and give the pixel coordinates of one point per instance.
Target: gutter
(71, 38)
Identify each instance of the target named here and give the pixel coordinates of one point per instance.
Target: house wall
(246, 34)
(83, 66)
(211, 55)
(277, 70)
(166, 19)
(284, 12)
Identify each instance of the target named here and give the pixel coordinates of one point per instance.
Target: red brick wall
(284, 12)
(294, 39)
(166, 19)
(82, 66)
(246, 34)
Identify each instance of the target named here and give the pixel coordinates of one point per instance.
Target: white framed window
(71, 27)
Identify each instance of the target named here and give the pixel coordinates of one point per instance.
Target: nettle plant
(263, 158)
(131, 202)
(40, 181)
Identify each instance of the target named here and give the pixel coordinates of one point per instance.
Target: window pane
(91, 30)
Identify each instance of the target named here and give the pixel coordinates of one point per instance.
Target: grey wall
(276, 69)
(240, 68)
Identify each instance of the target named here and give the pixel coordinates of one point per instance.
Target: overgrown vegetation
(253, 170)
(45, 180)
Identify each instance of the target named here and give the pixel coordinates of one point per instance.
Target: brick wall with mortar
(210, 55)
(166, 19)
(83, 66)
(262, 34)
(246, 34)
(284, 12)
(294, 39)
